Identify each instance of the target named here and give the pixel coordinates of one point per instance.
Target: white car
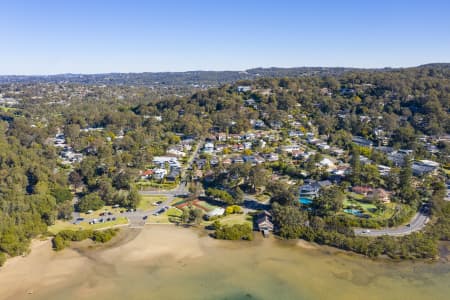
(366, 231)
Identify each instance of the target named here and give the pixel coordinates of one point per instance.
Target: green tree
(90, 202)
(329, 201)
(355, 164)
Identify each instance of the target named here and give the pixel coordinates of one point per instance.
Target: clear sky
(96, 36)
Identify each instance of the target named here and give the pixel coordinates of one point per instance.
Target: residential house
(159, 174)
(423, 167)
(264, 223)
(146, 174)
(208, 147)
(384, 170)
(311, 187)
(218, 211)
(360, 141)
(290, 148)
(271, 157)
(362, 190)
(383, 195)
(243, 88)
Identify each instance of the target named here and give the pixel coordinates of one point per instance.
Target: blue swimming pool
(353, 211)
(305, 201)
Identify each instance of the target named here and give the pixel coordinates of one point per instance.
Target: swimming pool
(305, 201)
(353, 211)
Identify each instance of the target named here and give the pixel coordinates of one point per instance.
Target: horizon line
(223, 70)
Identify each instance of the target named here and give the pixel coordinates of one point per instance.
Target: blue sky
(96, 36)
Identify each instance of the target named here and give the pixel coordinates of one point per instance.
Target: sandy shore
(156, 241)
(43, 269)
(39, 270)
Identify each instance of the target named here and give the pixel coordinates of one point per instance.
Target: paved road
(417, 223)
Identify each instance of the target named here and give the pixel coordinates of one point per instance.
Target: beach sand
(41, 269)
(44, 269)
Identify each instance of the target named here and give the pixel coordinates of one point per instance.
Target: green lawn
(364, 205)
(62, 225)
(206, 205)
(233, 219)
(172, 212)
(369, 208)
(147, 201)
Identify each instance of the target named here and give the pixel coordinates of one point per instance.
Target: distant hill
(190, 78)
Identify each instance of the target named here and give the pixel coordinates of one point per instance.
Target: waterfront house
(264, 223)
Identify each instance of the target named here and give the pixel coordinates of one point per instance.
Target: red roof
(362, 189)
(147, 172)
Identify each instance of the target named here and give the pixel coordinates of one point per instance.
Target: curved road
(417, 223)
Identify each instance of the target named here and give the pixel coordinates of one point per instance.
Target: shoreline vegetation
(420, 241)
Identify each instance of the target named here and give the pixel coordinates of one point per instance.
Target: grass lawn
(164, 218)
(387, 213)
(148, 200)
(365, 206)
(368, 208)
(233, 219)
(62, 225)
(205, 205)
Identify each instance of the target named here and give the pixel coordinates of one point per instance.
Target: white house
(159, 173)
(208, 148)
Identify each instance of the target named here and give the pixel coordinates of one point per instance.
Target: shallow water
(172, 263)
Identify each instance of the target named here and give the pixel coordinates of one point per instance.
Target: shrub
(2, 258)
(63, 238)
(234, 232)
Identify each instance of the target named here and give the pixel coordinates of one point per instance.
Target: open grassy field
(370, 209)
(62, 225)
(147, 201)
(232, 220)
(366, 206)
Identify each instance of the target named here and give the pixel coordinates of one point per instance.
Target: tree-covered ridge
(29, 188)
